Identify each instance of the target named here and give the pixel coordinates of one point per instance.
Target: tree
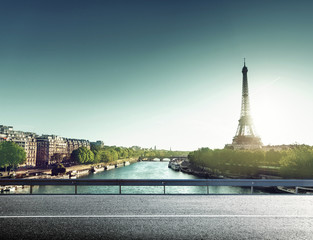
(82, 155)
(101, 156)
(59, 169)
(297, 163)
(57, 157)
(11, 154)
(272, 157)
(95, 147)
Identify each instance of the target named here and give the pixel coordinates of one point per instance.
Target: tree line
(296, 162)
(12, 155)
(106, 154)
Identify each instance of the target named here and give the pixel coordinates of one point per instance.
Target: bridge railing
(297, 184)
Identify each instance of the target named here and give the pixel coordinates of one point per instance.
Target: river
(141, 170)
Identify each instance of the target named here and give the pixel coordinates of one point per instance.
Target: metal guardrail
(160, 182)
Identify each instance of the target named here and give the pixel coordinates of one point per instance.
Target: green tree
(273, 157)
(102, 156)
(11, 154)
(58, 169)
(83, 155)
(95, 147)
(297, 163)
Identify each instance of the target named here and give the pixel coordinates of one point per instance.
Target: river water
(141, 170)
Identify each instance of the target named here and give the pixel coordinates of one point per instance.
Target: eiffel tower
(245, 137)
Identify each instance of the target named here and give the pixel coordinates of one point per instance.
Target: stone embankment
(187, 167)
(71, 172)
(78, 170)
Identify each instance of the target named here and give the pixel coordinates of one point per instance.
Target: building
(29, 143)
(42, 150)
(98, 143)
(26, 140)
(283, 147)
(73, 144)
(50, 149)
(3, 137)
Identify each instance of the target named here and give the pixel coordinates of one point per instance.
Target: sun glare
(271, 112)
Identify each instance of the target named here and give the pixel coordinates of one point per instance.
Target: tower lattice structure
(245, 137)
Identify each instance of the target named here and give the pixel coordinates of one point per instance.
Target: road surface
(156, 217)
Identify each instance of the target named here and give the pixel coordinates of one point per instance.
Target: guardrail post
(252, 188)
(163, 187)
(296, 190)
(120, 189)
(207, 189)
(31, 189)
(75, 189)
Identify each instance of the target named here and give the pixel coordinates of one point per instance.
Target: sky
(157, 73)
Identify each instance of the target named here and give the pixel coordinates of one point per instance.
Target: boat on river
(174, 165)
(109, 167)
(82, 172)
(119, 165)
(9, 189)
(72, 174)
(96, 169)
(297, 190)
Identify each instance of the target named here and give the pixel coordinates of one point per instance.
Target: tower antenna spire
(244, 61)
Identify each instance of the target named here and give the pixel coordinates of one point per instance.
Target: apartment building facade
(43, 150)
(52, 149)
(26, 140)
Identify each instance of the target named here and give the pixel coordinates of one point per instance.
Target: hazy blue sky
(164, 73)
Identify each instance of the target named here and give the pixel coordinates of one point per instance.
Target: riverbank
(81, 169)
(204, 172)
(187, 167)
(89, 167)
(75, 171)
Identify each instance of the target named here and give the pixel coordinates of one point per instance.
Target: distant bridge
(180, 158)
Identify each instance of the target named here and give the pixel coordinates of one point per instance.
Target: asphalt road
(156, 217)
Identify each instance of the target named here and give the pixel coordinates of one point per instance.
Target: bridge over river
(160, 158)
